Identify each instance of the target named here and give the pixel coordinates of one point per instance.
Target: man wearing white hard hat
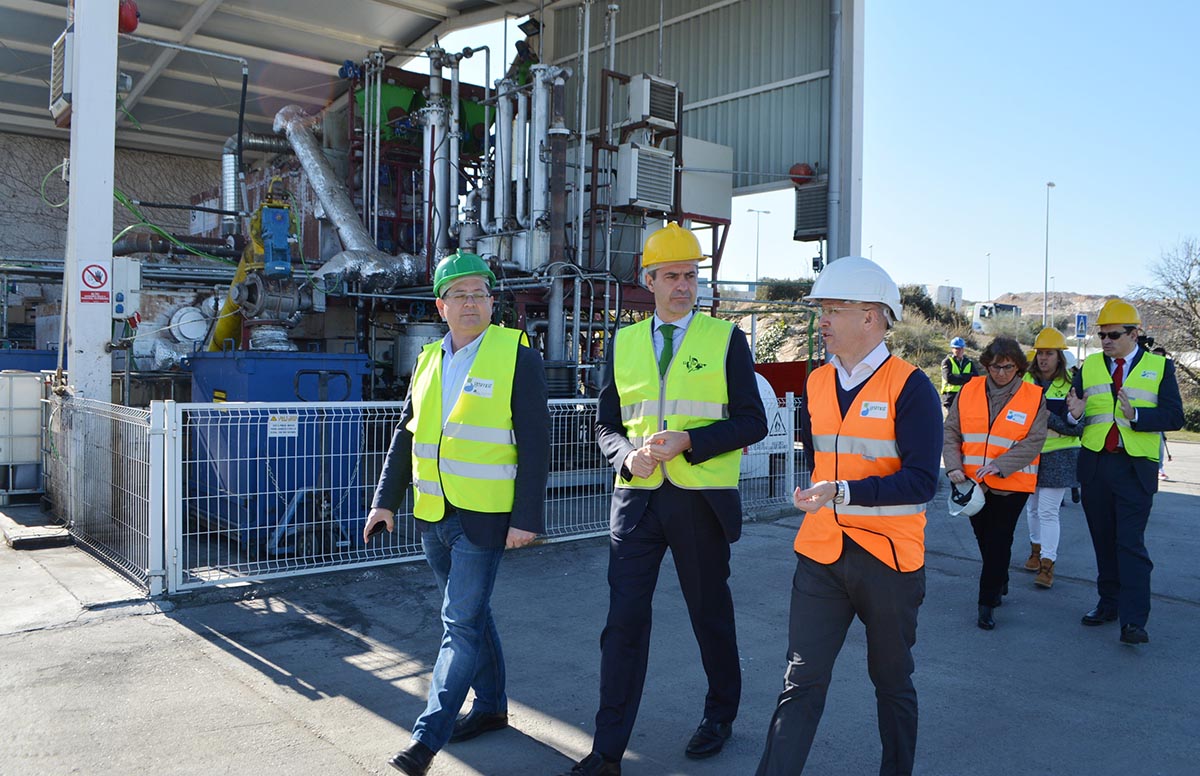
(871, 426)
(957, 371)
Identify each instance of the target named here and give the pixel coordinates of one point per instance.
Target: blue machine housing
(285, 481)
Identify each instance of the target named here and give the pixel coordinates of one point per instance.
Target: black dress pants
(994, 527)
(825, 600)
(1117, 505)
(682, 521)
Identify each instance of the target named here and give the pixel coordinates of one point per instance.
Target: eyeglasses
(823, 311)
(475, 298)
(1002, 367)
(1112, 335)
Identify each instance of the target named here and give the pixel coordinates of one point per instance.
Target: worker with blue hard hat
(473, 444)
(957, 371)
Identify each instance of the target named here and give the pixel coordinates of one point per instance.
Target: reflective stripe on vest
(472, 460)
(1101, 410)
(1059, 389)
(984, 442)
(859, 445)
(693, 394)
(967, 369)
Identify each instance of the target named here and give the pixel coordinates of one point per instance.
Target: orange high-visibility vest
(983, 444)
(861, 444)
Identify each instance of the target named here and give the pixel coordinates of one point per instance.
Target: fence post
(171, 514)
(789, 466)
(157, 571)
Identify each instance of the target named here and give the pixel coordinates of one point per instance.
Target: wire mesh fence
(206, 494)
(100, 471)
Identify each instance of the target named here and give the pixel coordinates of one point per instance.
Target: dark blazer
(746, 424)
(531, 427)
(1167, 416)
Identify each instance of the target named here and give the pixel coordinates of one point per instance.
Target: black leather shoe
(985, 620)
(1134, 634)
(1098, 616)
(1075, 495)
(709, 739)
(477, 723)
(413, 760)
(594, 765)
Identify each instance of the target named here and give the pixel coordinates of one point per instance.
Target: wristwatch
(840, 496)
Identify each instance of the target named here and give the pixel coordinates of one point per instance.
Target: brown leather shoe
(1035, 557)
(1045, 577)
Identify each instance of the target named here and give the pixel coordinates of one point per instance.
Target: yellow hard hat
(670, 244)
(1118, 312)
(1050, 339)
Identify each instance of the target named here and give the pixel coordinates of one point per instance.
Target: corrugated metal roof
(186, 103)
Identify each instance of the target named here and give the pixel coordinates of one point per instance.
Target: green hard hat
(460, 265)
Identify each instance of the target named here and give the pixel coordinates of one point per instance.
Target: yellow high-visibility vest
(692, 394)
(472, 460)
(1100, 411)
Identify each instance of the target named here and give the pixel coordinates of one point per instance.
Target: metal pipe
(455, 172)
(376, 138)
(229, 185)
(503, 166)
(584, 43)
(539, 128)
(833, 217)
(520, 145)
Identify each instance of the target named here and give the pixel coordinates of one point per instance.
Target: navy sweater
(918, 437)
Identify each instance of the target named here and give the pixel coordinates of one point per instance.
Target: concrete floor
(325, 674)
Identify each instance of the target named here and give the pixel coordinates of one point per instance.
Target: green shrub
(775, 290)
(1191, 416)
(770, 339)
(918, 341)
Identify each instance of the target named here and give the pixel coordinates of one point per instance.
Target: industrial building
(220, 219)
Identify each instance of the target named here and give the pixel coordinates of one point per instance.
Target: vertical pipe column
(581, 172)
(833, 218)
(519, 148)
(539, 127)
(441, 155)
(455, 170)
(503, 166)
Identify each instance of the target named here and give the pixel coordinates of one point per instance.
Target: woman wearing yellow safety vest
(1060, 454)
(994, 435)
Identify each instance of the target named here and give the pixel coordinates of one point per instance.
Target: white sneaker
(1162, 475)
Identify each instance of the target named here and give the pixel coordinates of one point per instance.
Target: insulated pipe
(293, 122)
(502, 176)
(520, 146)
(229, 171)
(539, 143)
(441, 154)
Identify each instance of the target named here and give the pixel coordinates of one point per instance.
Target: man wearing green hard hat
(474, 443)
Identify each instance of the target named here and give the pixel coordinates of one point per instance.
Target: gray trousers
(825, 600)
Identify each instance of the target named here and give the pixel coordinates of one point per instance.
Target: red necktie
(1114, 436)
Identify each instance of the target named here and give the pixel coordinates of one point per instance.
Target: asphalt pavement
(325, 674)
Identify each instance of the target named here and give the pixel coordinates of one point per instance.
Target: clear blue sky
(969, 108)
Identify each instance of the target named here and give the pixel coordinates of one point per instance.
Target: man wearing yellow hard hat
(1124, 397)
(678, 403)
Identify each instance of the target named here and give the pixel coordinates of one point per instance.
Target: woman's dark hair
(1004, 349)
(1059, 371)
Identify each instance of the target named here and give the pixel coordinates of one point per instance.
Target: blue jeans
(470, 655)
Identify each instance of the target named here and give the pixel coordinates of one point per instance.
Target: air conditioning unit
(62, 59)
(653, 101)
(812, 210)
(645, 178)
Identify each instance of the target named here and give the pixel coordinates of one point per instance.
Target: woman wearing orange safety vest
(994, 435)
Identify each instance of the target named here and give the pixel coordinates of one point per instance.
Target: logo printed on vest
(874, 409)
(1148, 375)
(1016, 417)
(482, 388)
(693, 364)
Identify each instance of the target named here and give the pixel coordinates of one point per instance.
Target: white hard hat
(856, 279)
(965, 502)
(1070, 358)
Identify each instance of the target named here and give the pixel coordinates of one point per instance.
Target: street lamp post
(1053, 294)
(989, 260)
(1046, 264)
(758, 214)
